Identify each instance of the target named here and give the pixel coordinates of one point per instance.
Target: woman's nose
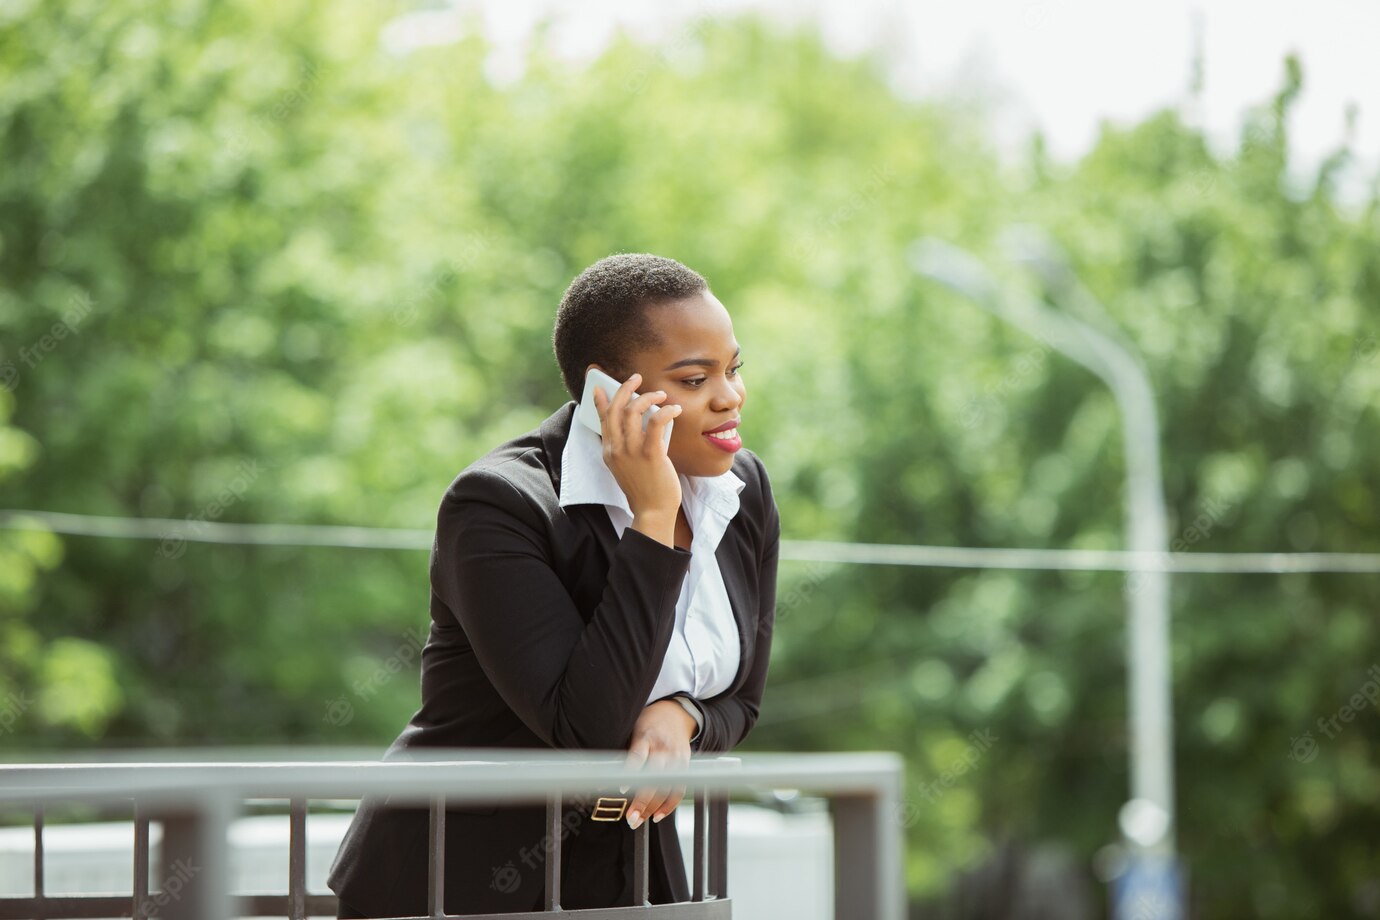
(726, 397)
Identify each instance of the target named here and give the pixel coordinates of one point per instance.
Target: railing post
(38, 852)
(297, 859)
(868, 876)
(436, 870)
(553, 851)
(140, 908)
(718, 844)
(639, 885)
(193, 864)
(699, 861)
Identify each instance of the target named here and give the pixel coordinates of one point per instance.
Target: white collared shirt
(704, 653)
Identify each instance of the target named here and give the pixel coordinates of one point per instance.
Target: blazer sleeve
(729, 717)
(574, 685)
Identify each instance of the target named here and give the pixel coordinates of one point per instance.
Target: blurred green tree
(255, 267)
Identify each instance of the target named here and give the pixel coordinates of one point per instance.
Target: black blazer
(548, 631)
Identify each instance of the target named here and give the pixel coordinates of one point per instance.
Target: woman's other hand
(661, 736)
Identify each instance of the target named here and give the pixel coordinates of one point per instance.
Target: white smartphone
(587, 413)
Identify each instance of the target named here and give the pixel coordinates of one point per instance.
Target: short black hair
(602, 318)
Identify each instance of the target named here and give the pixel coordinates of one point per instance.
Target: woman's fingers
(621, 401)
(661, 420)
(650, 800)
(656, 425)
(632, 416)
(659, 801)
(674, 799)
(637, 756)
(621, 418)
(637, 808)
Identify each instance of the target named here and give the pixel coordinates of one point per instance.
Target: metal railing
(194, 801)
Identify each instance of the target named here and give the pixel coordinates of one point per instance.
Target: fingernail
(634, 819)
(656, 819)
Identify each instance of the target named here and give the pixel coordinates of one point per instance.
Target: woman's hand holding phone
(638, 458)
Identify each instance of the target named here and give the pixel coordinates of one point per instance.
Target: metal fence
(194, 801)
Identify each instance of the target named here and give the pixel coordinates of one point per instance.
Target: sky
(1062, 66)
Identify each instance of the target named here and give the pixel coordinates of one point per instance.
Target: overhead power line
(968, 557)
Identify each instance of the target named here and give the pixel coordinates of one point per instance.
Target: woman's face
(697, 366)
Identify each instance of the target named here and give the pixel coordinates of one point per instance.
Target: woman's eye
(699, 380)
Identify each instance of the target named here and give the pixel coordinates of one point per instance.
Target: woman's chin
(705, 466)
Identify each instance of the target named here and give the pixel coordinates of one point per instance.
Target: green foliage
(253, 268)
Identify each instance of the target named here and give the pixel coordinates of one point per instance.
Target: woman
(608, 592)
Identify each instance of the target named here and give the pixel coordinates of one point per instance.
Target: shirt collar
(586, 479)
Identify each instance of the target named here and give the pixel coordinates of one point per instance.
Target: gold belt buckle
(608, 808)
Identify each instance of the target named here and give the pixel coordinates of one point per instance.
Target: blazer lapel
(730, 557)
(555, 431)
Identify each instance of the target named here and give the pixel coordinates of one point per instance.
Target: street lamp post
(1147, 819)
